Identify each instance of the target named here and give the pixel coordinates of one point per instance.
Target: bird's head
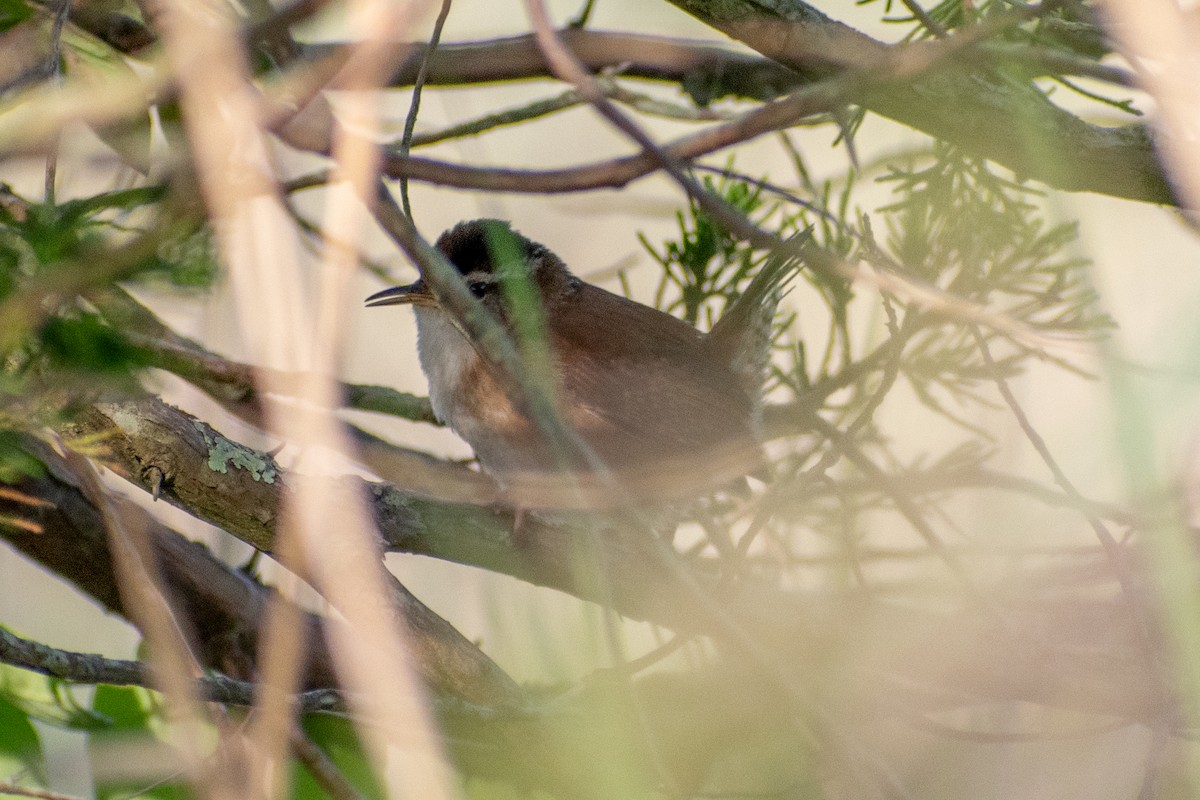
(498, 266)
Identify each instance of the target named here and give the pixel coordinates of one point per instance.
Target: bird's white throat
(445, 356)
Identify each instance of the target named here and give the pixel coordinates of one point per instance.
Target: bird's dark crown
(475, 246)
(487, 252)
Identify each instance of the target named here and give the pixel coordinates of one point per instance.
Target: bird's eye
(479, 288)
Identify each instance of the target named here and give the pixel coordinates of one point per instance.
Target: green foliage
(337, 738)
(13, 13)
(707, 267)
(20, 747)
(982, 238)
(84, 342)
(55, 352)
(43, 698)
(15, 462)
(955, 227)
(25, 697)
(123, 708)
(130, 714)
(1067, 26)
(187, 260)
(121, 715)
(38, 240)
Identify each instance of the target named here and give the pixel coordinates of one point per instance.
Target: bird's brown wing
(642, 386)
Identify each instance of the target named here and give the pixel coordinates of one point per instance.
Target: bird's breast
(463, 393)
(446, 358)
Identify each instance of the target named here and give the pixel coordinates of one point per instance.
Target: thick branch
(549, 748)
(705, 70)
(1007, 122)
(1082, 656)
(223, 604)
(972, 104)
(226, 606)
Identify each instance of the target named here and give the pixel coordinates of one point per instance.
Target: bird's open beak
(414, 294)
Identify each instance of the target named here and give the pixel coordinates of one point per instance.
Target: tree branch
(224, 604)
(1085, 655)
(92, 668)
(692, 712)
(1012, 124)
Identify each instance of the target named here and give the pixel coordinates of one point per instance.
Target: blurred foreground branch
(1081, 653)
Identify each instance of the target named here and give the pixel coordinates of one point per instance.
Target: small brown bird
(669, 410)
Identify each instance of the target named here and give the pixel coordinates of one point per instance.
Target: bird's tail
(742, 336)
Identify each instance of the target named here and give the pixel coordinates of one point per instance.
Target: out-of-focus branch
(94, 668)
(1086, 655)
(24, 309)
(224, 605)
(149, 603)
(119, 31)
(230, 382)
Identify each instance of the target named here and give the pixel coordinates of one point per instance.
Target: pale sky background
(1146, 270)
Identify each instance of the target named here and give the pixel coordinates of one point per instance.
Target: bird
(666, 410)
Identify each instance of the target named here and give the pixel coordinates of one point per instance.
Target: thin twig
(585, 14)
(91, 668)
(410, 122)
(1117, 556)
(923, 17)
(904, 504)
(567, 100)
(43, 794)
(474, 127)
(322, 768)
(60, 19)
